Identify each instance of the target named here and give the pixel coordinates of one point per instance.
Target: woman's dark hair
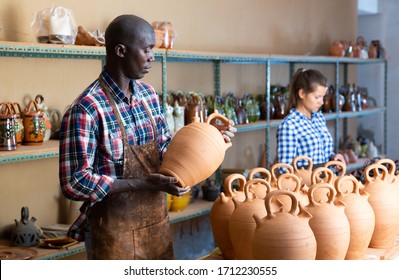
(306, 79)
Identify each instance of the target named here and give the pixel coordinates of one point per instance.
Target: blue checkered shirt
(299, 135)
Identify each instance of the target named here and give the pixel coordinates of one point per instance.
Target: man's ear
(120, 50)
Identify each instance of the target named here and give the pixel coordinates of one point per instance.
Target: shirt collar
(298, 114)
(115, 90)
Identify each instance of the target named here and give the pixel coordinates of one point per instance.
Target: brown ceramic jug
(384, 199)
(242, 225)
(360, 215)
(17, 112)
(196, 151)
(221, 212)
(304, 173)
(282, 235)
(329, 224)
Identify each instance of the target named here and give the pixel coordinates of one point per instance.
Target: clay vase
(336, 49)
(34, 125)
(220, 214)
(276, 170)
(329, 224)
(260, 191)
(321, 194)
(302, 172)
(291, 182)
(196, 151)
(384, 199)
(282, 235)
(242, 225)
(360, 215)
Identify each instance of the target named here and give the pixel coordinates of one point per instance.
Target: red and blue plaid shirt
(91, 142)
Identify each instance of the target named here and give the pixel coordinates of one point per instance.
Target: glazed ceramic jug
(360, 215)
(18, 122)
(260, 191)
(242, 225)
(196, 151)
(283, 235)
(229, 107)
(291, 182)
(384, 199)
(34, 125)
(242, 117)
(329, 224)
(304, 173)
(46, 116)
(8, 141)
(221, 211)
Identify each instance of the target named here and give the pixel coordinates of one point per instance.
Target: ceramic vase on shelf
(8, 141)
(196, 151)
(283, 235)
(19, 123)
(384, 199)
(34, 125)
(46, 116)
(329, 224)
(221, 211)
(360, 215)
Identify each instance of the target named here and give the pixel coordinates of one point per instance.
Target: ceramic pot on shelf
(18, 122)
(360, 215)
(242, 225)
(8, 141)
(34, 125)
(221, 211)
(329, 224)
(384, 199)
(196, 151)
(25, 232)
(283, 235)
(46, 116)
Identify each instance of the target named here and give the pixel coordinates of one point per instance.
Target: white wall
(383, 26)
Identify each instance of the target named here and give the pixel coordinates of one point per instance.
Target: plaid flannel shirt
(91, 144)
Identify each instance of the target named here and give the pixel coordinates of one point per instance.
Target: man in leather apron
(112, 140)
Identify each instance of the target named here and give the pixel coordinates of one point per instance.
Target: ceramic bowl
(179, 203)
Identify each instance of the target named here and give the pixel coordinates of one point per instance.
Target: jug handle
(253, 182)
(293, 177)
(320, 170)
(229, 180)
(390, 162)
(339, 163)
(24, 215)
(269, 197)
(339, 181)
(278, 165)
(375, 167)
(296, 159)
(261, 170)
(331, 195)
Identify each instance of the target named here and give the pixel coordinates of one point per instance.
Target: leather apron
(132, 225)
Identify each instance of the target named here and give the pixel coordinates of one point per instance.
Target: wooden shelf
(48, 149)
(197, 208)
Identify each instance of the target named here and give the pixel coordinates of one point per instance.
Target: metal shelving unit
(50, 149)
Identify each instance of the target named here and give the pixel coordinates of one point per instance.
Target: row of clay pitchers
(235, 230)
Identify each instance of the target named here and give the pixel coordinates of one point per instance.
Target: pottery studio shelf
(49, 149)
(52, 254)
